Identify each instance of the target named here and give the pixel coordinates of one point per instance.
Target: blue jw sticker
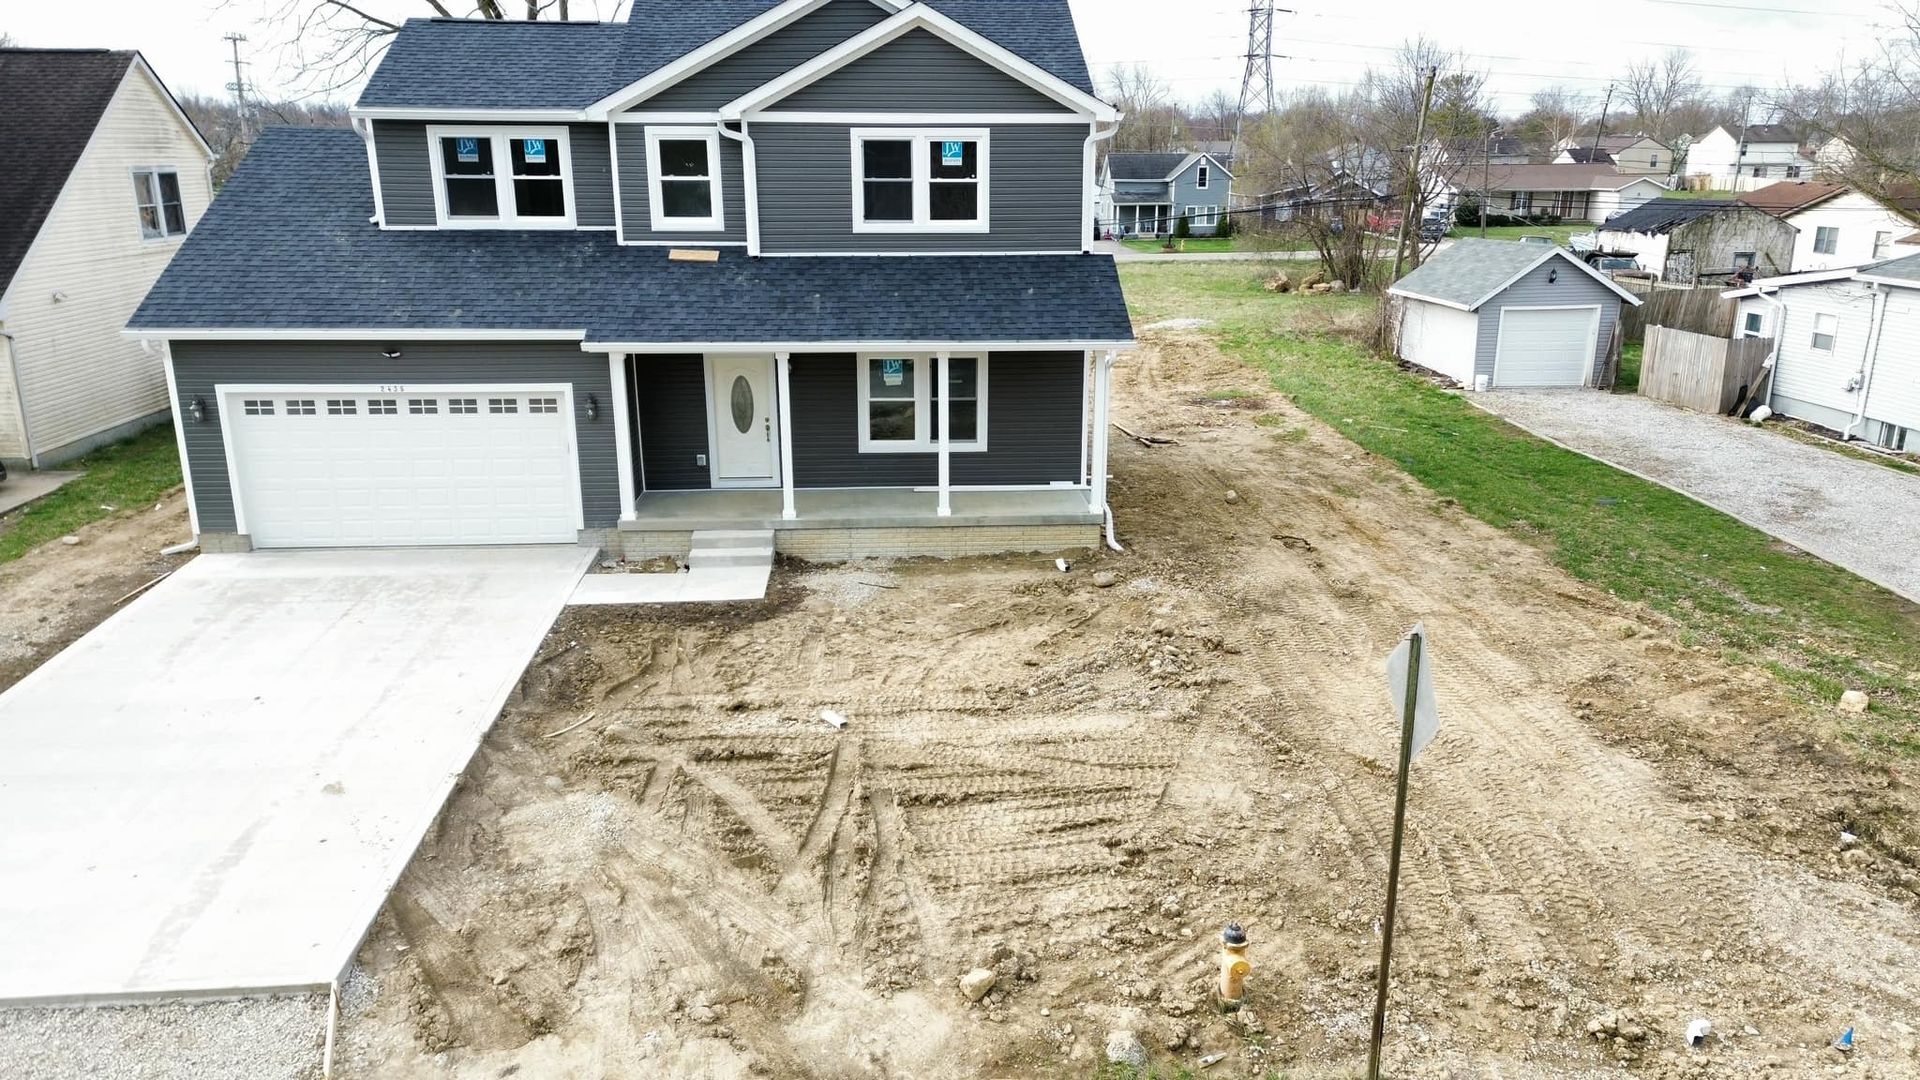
(953, 154)
(536, 151)
(468, 150)
(893, 372)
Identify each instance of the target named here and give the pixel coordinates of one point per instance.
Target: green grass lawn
(1628, 381)
(1559, 233)
(1196, 245)
(1725, 586)
(125, 476)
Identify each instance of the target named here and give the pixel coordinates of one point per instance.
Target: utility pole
(239, 88)
(1740, 155)
(1486, 180)
(1256, 86)
(1413, 173)
(1601, 131)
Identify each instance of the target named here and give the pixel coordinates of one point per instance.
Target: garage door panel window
(423, 406)
(383, 407)
(463, 406)
(341, 407)
(300, 407)
(518, 178)
(543, 405)
(253, 407)
(503, 405)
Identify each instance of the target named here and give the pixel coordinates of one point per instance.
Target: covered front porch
(860, 508)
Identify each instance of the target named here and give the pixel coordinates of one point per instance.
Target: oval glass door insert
(742, 404)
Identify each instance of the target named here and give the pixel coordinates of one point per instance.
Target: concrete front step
(732, 547)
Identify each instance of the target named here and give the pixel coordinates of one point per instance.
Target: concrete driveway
(213, 791)
(1855, 514)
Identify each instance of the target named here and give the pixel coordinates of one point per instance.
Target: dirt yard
(1078, 787)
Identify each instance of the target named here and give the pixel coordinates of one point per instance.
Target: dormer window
(502, 178)
(683, 180)
(919, 181)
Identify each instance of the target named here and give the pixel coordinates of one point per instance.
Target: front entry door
(746, 421)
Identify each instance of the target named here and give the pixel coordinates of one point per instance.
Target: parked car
(1433, 230)
(1608, 264)
(1545, 240)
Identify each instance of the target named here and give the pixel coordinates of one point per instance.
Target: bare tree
(1219, 113)
(327, 45)
(6, 40)
(218, 120)
(1866, 117)
(1153, 122)
(1553, 116)
(1656, 89)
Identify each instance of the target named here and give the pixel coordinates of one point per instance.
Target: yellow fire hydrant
(1233, 966)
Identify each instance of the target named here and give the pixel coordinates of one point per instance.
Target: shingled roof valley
(288, 246)
(50, 102)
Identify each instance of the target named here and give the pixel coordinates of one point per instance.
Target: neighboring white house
(101, 178)
(1848, 350)
(1837, 225)
(1747, 158)
(1627, 153)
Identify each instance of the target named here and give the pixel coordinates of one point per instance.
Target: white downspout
(945, 387)
(1086, 213)
(373, 169)
(1102, 409)
(1867, 360)
(1779, 336)
(20, 397)
(783, 377)
(749, 181)
(623, 434)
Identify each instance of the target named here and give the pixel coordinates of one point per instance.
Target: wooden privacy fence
(1698, 371)
(1699, 310)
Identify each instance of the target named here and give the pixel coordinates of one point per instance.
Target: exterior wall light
(198, 410)
(391, 352)
(593, 406)
(1553, 276)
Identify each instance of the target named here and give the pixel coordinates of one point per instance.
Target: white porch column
(1086, 417)
(783, 375)
(941, 386)
(1102, 401)
(623, 433)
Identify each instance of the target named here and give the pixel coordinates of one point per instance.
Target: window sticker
(536, 150)
(468, 149)
(893, 372)
(953, 153)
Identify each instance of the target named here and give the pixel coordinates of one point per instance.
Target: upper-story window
(923, 180)
(1205, 177)
(683, 179)
(518, 178)
(157, 194)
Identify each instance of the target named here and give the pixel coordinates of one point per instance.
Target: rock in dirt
(1105, 579)
(1125, 1048)
(1853, 701)
(1232, 496)
(975, 984)
(70, 540)
(1278, 283)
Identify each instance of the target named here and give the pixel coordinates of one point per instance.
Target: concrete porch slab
(23, 487)
(212, 792)
(858, 508)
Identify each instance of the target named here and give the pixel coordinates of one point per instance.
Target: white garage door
(339, 468)
(1546, 346)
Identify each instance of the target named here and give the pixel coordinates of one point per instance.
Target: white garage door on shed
(1550, 346)
(402, 466)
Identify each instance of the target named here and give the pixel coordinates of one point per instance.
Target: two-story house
(818, 267)
(101, 178)
(1627, 153)
(1745, 158)
(1148, 194)
(1836, 226)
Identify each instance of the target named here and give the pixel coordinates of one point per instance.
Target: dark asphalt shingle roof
(1767, 133)
(1468, 270)
(50, 102)
(481, 64)
(287, 245)
(1131, 166)
(1666, 215)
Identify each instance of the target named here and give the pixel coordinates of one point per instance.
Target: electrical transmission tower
(1256, 86)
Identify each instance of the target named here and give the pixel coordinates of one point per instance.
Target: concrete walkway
(213, 791)
(1123, 254)
(23, 487)
(1852, 513)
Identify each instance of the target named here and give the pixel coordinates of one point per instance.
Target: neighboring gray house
(1145, 194)
(818, 267)
(1498, 314)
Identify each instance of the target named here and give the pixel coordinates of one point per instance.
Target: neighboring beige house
(1639, 154)
(101, 177)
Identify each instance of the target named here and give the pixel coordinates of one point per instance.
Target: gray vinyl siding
(406, 173)
(406, 176)
(918, 72)
(1573, 288)
(1187, 192)
(767, 59)
(1034, 406)
(806, 192)
(592, 159)
(672, 409)
(200, 366)
(634, 198)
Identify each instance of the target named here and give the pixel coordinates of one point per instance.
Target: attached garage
(1495, 314)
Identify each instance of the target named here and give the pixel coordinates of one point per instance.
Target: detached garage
(1508, 315)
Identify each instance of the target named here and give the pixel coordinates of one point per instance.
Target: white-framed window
(1203, 177)
(1825, 329)
(1520, 200)
(1754, 324)
(900, 403)
(543, 405)
(683, 179)
(342, 407)
(383, 407)
(1882, 244)
(423, 406)
(1793, 172)
(1759, 170)
(1826, 240)
(1748, 259)
(494, 178)
(923, 180)
(1203, 215)
(300, 407)
(156, 193)
(1653, 161)
(463, 406)
(503, 405)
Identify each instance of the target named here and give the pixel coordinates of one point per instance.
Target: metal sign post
(1410, 682)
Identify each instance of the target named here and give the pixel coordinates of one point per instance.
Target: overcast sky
(1197, 45)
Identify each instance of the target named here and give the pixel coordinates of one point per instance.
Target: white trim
(153, 174)
(740, 37)
(1091, 190)
(223, 391)
(623, 435)
(901, 254)
(371, 335)
(684, 243)
(1809, 277)
(173, 106)
(472, 116)
(373, 172)
(1875, 279)
(749, 183)
(920, 16)
(695, 117)
(774, 415)
(1405, 294)
(943, 379)
(1204, 176)
(1102, 439)
(1086, 415)
(920, 118)
(1593, 336)
(1057, 485)
(783, 377)
(895, 348)
(508, 211)
(923, 385)
(180, 438)
(1555, 252)
(656, 211)
(613, 163)
(921, 139)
